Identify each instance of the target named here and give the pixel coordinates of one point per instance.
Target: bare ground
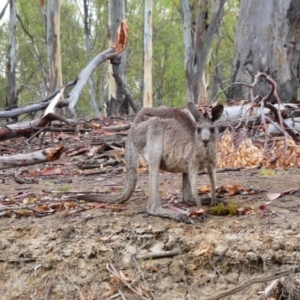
(67, 255)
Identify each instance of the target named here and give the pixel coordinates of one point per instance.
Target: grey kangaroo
(171, 140)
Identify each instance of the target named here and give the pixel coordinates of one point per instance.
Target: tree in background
(169, 87)
(116, 10)
(87, 34)
(11, 95)
(267, 40)
(53, 45)
(198, 45)
(147, 81)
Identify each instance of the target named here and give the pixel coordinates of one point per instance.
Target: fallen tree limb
(117, 128)
(263, 103)
(244, 285)
(32, 158)
(84, 75)
(27, 129)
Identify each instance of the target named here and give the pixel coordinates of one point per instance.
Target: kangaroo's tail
(131, 158)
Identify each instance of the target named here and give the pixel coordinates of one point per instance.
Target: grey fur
(168, 139)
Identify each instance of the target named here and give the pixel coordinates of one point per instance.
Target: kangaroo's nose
(205, 142)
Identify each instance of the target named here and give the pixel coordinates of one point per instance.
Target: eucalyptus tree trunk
(267, 40)
(2, 13)
(11, 95)
(116, 16)
(147, 82)
(87, 34)
(53, 45)
(198, 45)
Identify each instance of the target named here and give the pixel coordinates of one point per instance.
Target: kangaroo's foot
(165, 213)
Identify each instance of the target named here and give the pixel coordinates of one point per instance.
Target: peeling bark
(116, 15)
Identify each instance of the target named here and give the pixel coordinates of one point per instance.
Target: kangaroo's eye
(199, 129)
(212, 129)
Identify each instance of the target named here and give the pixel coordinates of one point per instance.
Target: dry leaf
(201, 250)
(205, 189)
(52, 171)
(273, 196)
(110, 291)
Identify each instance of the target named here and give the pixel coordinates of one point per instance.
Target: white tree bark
(187, 38)
(147, 82)
(53, 45)
(87, 34)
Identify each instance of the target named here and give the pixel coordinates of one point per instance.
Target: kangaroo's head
(206, 131)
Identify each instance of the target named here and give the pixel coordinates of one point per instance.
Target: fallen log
(27, 129)
(18, 160)
(32, 128)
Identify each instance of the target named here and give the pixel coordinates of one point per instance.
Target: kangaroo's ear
(217, 112)
(194, 111)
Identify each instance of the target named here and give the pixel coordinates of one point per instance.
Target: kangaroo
(170, 140)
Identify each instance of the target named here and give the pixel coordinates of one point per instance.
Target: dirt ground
(69, 255)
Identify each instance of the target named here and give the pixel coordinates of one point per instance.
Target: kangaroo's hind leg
(153, 152)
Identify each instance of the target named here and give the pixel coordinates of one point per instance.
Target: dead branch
(32, 158)
(222, 170)
(264, 103)
(158, 255)
(244, 285)
(117, 128)
(27, 129)
(84, 75)
(124, 88)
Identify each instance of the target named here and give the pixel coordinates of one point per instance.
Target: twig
(245, 284)
(18, 259)
(48, 290)
(77, 288)
(221, 170)
(142, 274)
(268, 289)
(158, 255)
(121, 295)
(115, 273)
(223, 91)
